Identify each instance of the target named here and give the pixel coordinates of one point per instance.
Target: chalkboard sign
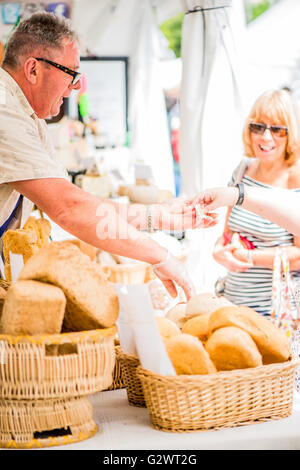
(107, 94)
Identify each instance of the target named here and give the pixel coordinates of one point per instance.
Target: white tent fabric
(211, 115)
(273, 49)
(127, 28)
(211, 108)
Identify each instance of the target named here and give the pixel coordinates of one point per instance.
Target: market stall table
(127, 427)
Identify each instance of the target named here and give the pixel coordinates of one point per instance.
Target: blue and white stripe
(254, 286)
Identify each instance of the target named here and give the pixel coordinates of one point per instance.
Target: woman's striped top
(254, 286)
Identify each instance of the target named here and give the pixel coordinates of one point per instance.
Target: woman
(272, 145)
(279, 205)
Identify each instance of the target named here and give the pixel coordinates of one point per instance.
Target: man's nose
(77, 85)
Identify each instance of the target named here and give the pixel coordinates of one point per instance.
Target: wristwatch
(241, 189)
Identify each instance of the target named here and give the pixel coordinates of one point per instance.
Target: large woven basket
(127, 273)
(132, 382)
(118, 379)
(44, 423)
(56, 366)
(225, 399)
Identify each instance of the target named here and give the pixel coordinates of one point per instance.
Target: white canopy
(128, 28)
(211, 97)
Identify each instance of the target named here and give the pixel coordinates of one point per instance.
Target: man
(39, 69)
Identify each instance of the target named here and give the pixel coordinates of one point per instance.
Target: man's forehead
(69, 55)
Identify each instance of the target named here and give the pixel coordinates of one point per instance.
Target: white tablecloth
(122, 426)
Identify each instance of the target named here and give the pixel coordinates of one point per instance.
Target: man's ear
(31, 70)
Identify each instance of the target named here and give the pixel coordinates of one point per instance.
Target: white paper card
(149, 345)
(16, 265)
(126, 337)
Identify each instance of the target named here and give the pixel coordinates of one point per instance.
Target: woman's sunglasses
(260, 129)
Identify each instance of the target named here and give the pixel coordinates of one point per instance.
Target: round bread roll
(204, 303)
(197, 326)
(232, 348)
(271, 342)
(188, 355)
(167, 328)
(177, 314)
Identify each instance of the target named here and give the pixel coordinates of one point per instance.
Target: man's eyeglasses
(260, 129)
(76, 75)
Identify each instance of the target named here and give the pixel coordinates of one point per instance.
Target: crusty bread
(205, 302)
(21, 242)
(33, 308)
(2, 299)
(86, 248)
(167, 328)
(271, 342)
(197, 326)
(189, 356)
(41, 227)
(232, 348)
(91, 301)
(105, 259)
(177, 314)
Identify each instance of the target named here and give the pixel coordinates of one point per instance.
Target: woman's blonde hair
(278, 107)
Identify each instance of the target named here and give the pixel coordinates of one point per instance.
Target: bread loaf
(189, 356)
(86, 248)
(91, 301)
(41, 227)
(271, 341)
(204, 303)
(21, 242)
(232, 348)
(177, 314)
(197, 326)
(33, 308)
(167, 328)
(105, 259)
(2, 299)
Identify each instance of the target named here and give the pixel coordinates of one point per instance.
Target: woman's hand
(214, 198)
(230, 256)
(179, 216)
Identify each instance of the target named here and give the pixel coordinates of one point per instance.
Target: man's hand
(172, 272)
(179, 216)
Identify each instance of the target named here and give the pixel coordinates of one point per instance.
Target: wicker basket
(39, 423)
(127, 273)
(226, 399)
(56, 366)
(132, 382)
(118, 379)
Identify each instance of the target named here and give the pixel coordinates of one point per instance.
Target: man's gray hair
(40, 33)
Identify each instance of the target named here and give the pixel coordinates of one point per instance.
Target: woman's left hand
(239, 252)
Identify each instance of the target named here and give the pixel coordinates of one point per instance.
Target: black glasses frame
(260, 129)
(76, 75)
